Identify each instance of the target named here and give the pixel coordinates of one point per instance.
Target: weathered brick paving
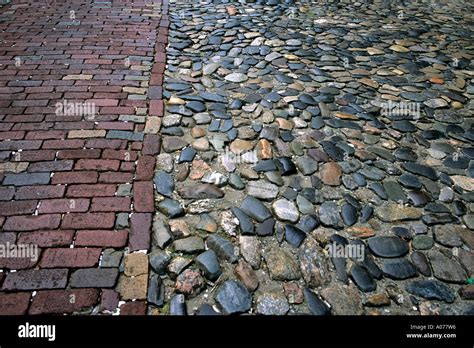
(79, 185)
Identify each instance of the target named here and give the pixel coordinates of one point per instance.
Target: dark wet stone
(307, 99)
(212, 97)
(187, 155)
(431, 290)
(457, 162)
(445, 268)
(159, 260)
(435, 207)
(207, 309)
(223, 248)
(340, 266)
(236, 182)
(308, 223)
(171, 208)
(265, 166)
(372, 173)
(349, 214)
(156, 291)
(366, 213)
(234, 297)
(245, 223)
(459, 208)
(164, 183)
(209, 265)
(287, 167)
(317, 122)
(178, 305)
(315, 305)
(420, 169)
(416, 97)
(294, 236)
(402, 232)
(255, 209)
(201, 191)
(196, 106)
(266, 228)
(378, 189)
(422, 242)
(421, 263)
(329, 215)
(405, 154)
(410, 181)
(387, 246)
(418, 198)
(438, 219)
(395, 192)
(362, 279)
(332, 151)
(399, 268)
(404, 126)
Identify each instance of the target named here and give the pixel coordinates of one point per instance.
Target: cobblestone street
(268, 157)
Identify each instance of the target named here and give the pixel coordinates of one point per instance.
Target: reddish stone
(151, 144)
(122, 155)
(82, 153)
(119, 204)
(156, 108)
(109, 300)
(116, 177)
(97, 164)
(63, 144)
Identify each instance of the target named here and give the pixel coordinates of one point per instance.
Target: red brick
(158, 68)
(12, 135)
(160, 57)
(116, 125)
(156, 108)
(116, 177)
(82, 177)
(32, 223)
(63, 205)
(133, 308)
(39, 192)
(151, 144)
(70, 257)
(117, 110)
(106, 143)
(63, 301)
(98, 190)
(14, 303)
(88, 220)
(97, 164)
(101, 238)
(44, 135)
(143, 197)
(6, 193)
(18, 263)
(122, 155)
(46, 239)
(106, 204)
(17, 207)
(145, 168)
(20, 145)
(127, 167)
(82, 153)
(37, 155)
(140, 226)
(156, 79)
(109, 300)
(51, 166)
(103, 102)
(64, 144)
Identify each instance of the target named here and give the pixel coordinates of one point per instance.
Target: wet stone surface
(316, 167)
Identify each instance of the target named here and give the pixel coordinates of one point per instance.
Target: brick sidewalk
(80, 97)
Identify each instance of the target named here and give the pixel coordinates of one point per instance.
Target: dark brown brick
(119, 204)
(81, 177)
(39, 192)
(84, 221)
(143, 197)
(32, 223)
(70, 257)
(140, 227)
(17, 207)
(98, 190)
(63, 205)
(46, 239)
(102, 238)
(133, 308)
(63, 301)
(97, 164)
(14, 303)
(145, 168)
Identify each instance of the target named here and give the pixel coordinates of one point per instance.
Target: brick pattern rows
(76, 184)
